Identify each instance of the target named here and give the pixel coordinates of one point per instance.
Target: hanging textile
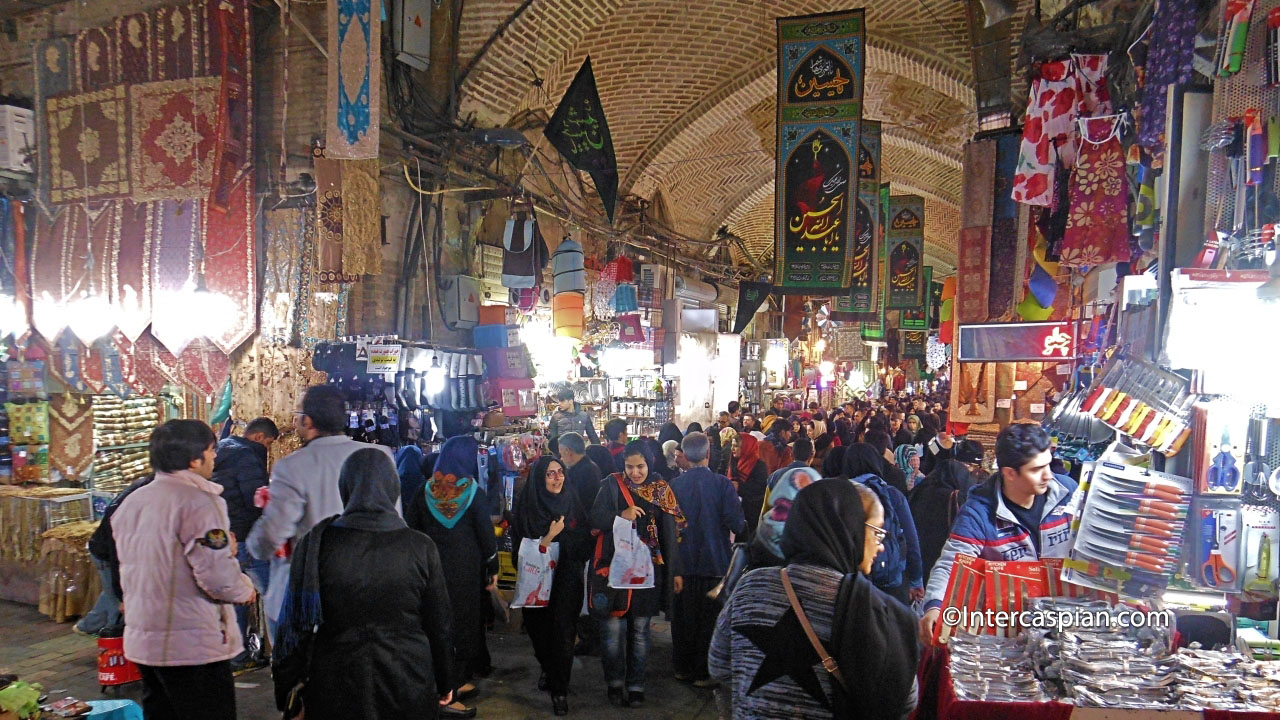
(282, 274)
(1170, 56)
(1008, 228)
(820, 87)
(353, 101)
(230, 266)
(361, 218)
(70, 435)
(920, 318)
(580, 131)
(1064, 91)
(864, 296)
(524, 251)
(131, 285)
(1097, 227)
(175, 265)
(751, 295)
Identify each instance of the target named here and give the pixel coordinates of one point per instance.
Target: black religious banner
(820, 76)
(918, 318)
(751, 295)
(913, 342)
(579, 131)
(875, 329)
(904, 263)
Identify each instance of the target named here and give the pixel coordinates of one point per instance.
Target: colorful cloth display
(1097, 228)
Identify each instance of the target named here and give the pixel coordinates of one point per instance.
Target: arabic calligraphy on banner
(920, 317)
(904, 269)
(874, 329)
(820, 73)
(913, 342)
(579, 130)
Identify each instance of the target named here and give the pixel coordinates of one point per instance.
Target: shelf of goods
(120, 432)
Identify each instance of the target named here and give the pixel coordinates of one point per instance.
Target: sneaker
(83, 633)
(560, 705)
(706, 683)
(635, 698)
(682, 677)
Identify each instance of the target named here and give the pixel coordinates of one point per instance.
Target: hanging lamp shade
(567, 314)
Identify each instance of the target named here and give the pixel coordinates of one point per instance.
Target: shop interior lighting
(90, 317)
(1203, 601)
(620, 361)
(11, 316)
(433, 383)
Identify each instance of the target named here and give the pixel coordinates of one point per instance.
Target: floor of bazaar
(66, 664)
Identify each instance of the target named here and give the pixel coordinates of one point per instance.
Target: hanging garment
(629, 330)
(568, 268)
(1169, 62)
(524, 251)
(1064, 91)
(1097, 227)
(625, 300)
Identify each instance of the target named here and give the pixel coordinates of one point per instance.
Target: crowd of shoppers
(836, 512)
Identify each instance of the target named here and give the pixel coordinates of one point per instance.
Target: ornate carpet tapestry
(329, 222)
(974, 259)
(904, 245)
(175, 261)
(353, 100)
(973, 394)
(820, 83)
(149, 110)
(70, 435)
(285, 240)
(361, 218)
(1008, 223)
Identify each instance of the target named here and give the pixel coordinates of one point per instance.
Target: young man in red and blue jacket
(1020, 513)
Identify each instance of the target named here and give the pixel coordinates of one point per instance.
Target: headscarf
(780, 500)
(907, 423)
(409, 468)
(654, 489)
(833, 463)
(768, 422)
(693, 428)
(604, 462)
(537, 507)
(748, 455)
(874, 636)
(903, 456)
(452, 486)
(935, 501)
(862, 459)
(669, 452)
(369, 488)
(669, 432)
(827, 527)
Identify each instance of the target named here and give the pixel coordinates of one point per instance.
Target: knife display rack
(1130, 529)
(1143, 401)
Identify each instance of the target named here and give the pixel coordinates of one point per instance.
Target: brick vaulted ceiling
(688, 87)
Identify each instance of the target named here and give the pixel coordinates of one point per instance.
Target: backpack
(891, 563)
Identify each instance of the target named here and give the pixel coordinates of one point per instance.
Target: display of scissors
(1214, 570)
(1223, 473)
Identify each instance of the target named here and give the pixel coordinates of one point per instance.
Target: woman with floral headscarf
(908, 460)
(642, 497)
(452, 510)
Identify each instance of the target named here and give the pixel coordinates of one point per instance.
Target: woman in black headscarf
(935, 502)
(928, 429)
(548, 510)
(831, 537)
(669, 432)
(833, 463)
(383, 643)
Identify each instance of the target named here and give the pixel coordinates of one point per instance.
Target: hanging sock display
(1097, 227)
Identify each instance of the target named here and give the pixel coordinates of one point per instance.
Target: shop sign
(1011, 342)
(383, 358)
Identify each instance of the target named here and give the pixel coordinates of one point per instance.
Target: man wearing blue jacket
(1020, 513)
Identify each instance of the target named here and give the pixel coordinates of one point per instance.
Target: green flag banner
(919, 318)
(821, 61)
(904, 240)
(913, 342)
(875, 329)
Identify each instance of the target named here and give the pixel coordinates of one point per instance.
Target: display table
(938, 700)
(25, 514)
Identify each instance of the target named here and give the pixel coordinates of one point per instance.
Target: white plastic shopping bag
(534, 574)
(632, 564)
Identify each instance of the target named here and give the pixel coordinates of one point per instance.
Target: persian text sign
(1008, 342)
(904, 240)
(821, 60)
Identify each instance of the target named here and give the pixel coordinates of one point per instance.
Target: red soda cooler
(113, 668)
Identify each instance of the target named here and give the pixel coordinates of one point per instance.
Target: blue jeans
(624, 657)
(260, 572)
(106, 611)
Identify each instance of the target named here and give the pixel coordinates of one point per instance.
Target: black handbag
(290, 676)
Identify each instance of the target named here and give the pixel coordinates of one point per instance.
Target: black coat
(608, 505)
(383, 650)
(903, 437)
(584, 478)
(240, 467)
(469, 556)
(752, 490)
(102, 544)
(935, 502)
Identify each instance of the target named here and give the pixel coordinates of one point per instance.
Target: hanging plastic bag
(632, 565)
(534, 574)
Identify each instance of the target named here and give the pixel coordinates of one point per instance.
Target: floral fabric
(1169, 62)
(1063, 92)
(1097, 225)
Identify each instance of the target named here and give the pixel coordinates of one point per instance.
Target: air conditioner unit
(695, 290)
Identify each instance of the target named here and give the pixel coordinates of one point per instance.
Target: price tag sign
(1037, 408)
(384, 358)
(1064, 369)
(1019, 385)
(1004, 403)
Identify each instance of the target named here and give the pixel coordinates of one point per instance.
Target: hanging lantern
(936, 353)
(567, 314)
